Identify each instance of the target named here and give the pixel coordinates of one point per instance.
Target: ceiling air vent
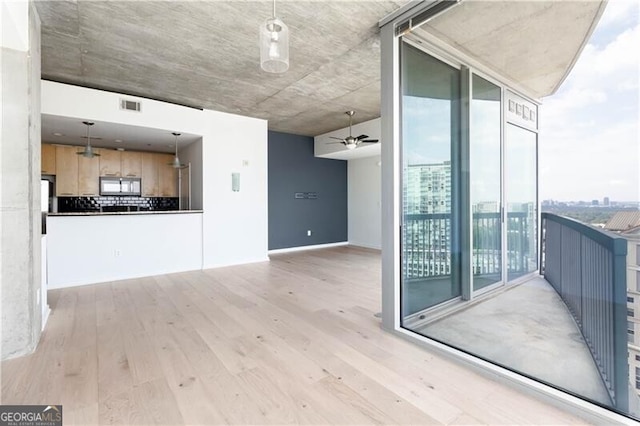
(129, 105)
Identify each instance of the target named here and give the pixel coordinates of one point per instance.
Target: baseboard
(369, 246)
(312, 247)
(243, 262)
(45, 317)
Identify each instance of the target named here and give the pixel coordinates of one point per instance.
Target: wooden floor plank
(290, 341)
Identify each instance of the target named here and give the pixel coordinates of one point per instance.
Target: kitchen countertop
(126, 213)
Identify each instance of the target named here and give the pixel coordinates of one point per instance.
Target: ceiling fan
(353, 142)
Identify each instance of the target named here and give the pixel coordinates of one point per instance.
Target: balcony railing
(587, 267)
(427, 244)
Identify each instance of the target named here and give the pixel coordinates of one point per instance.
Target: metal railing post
(620, 348)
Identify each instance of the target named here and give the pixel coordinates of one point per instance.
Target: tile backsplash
(116, 203)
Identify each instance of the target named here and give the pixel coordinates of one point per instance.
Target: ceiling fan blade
(332, 137)
(370, 141)
(362, 137)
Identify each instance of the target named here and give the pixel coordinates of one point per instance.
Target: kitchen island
(88, 248)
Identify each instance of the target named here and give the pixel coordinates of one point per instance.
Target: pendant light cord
(274, 9)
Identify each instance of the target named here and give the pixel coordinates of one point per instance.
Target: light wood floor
(293, 340)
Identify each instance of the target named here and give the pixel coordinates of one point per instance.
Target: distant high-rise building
(605, 201)
(427, 188)
(427, 195)
(595, 203)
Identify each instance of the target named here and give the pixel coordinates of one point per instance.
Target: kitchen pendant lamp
(274, 44)
(88, 150)
(176, 161)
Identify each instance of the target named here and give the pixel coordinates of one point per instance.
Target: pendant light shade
(176, 161)
(274, 44)
(88, 150)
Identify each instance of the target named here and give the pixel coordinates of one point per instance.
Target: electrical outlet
(116, 253)
(38, 296)
(308, 232)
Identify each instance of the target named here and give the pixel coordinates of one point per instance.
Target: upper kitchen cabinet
(48, 159)
(131, 164)
(88, 171)
(168, 176)
(149, 175)
(110, 163)
(66, 171)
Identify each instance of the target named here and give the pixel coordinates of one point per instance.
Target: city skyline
(589, 140)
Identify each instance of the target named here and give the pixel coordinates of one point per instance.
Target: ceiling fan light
(351, 146)
(274, 46)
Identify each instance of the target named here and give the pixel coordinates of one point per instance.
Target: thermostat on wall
(235, 182)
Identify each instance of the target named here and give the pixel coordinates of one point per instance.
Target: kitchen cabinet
(131, 164)
(167, 176)
(149, 174)
(88, 175)
(110, 163)
(48, 159)
(80, 176)
(66, 171)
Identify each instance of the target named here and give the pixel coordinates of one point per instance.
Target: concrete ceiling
(205, 54)
(534, 43)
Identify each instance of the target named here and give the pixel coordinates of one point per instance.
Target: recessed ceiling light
(58, 134)
(118, 140)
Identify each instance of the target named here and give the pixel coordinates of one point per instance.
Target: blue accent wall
(293, 168)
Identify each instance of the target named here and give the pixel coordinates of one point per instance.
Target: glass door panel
(430, 139)
(485, 165)
(521, 201)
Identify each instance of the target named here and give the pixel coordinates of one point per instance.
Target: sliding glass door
(430, 143)
(485, 159)
(521, 201)
(469, 201)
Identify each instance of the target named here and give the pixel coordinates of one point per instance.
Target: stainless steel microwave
(120, 186)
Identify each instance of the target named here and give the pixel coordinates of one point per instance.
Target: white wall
(237, 233)
(234, 224)
(364, 202)
(100, 248)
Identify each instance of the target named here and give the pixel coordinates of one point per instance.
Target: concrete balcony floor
(527, 328)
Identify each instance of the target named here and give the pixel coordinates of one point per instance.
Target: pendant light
(274, 44)
(176, 161)
(88, 150)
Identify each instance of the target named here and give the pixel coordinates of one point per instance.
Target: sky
(590, 132)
